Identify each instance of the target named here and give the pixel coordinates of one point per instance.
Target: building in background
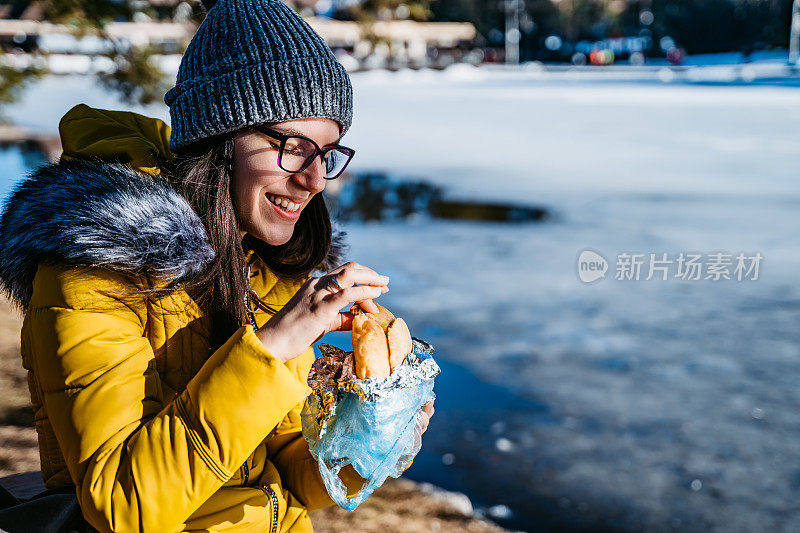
(24, 33)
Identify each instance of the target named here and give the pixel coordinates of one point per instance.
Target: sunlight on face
(269, 200)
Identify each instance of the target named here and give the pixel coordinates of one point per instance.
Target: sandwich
(381, 342)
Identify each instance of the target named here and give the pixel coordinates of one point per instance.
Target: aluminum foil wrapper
(373, 424)
(334, 373)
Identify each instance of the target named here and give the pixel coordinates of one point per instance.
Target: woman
(169, 310)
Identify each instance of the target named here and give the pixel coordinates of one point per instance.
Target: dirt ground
(400, 505)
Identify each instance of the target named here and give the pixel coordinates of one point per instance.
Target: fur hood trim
(98, 214)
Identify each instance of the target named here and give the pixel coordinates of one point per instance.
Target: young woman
(166, 279)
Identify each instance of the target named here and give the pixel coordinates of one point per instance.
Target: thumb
(343, 322)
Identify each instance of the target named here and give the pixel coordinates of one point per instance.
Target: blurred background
(506, 151)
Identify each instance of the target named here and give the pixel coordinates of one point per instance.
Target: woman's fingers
(314, 309)
(351, 283)
(343, 322)
(351, 265)
(351, 276)
(359, 293)
(424, 421)
(425, 415)
(369, 306)
(356, 274)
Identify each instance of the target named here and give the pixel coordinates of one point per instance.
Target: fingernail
(384, 289)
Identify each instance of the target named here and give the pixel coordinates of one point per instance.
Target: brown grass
(18, 446)
(400, 505)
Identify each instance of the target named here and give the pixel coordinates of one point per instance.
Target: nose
(313, 177)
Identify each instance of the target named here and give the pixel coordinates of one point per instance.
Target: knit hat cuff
(260, 93)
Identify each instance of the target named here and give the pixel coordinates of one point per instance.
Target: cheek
(250, 165)
(244, 183)
(244, 196)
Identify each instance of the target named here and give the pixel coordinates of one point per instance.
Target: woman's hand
(426, 414)
(314, 310)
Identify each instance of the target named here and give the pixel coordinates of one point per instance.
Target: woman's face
(259, 185)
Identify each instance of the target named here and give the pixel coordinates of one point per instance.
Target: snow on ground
(643, 404)
(526, 138)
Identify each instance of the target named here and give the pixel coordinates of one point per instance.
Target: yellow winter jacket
(156, 433)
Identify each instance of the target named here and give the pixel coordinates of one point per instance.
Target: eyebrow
(292, 131)
(288, 131)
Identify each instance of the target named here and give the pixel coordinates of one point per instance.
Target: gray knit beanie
(252, 62)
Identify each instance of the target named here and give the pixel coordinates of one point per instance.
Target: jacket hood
(104, 205)
(120, 136)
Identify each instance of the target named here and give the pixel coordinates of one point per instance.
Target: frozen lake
(670, 404)
(615, 405)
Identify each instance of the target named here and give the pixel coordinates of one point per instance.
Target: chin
(274, 238)
(278, 242)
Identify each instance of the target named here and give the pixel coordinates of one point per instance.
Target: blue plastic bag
(373, 424)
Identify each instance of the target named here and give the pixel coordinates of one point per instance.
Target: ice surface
(677, 400)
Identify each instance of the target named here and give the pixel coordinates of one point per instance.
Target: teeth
(285, 204)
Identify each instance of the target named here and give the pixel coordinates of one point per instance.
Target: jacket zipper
(274, 499)
(245, 474)
(268, 490)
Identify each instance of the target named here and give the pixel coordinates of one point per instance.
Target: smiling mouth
(283, 203)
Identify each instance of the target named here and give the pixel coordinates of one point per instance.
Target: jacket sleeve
(141, 463)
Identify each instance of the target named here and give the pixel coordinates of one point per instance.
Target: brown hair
(202, 174)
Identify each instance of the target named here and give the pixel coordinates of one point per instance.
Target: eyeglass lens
(298, 153)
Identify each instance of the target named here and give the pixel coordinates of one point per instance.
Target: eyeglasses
(296, 153)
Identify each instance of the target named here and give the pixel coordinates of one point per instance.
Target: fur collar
(100, 214)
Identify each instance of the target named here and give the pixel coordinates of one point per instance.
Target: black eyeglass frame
(283, 137)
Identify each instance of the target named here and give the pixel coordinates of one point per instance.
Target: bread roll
(399, 342)
(370, 349)
(383, 317)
